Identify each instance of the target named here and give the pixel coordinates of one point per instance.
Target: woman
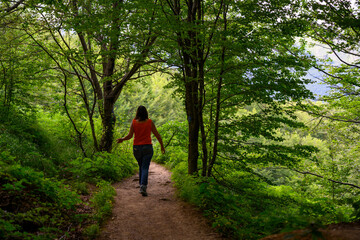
(142, 127)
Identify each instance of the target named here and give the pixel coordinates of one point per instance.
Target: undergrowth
(45, 194)
(33, 206)
(253, 209)
(242, 206)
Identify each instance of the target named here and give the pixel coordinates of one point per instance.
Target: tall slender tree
(234, 54)
(192, 28)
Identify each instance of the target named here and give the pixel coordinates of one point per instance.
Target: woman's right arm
(127, 137)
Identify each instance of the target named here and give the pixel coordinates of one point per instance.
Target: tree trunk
(201, 119)
(218, 101)
(193, 147)
(189, 46)
(107, 111)
(108, 123)
(191, 98)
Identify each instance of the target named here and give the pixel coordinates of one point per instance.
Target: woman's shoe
(143, 190)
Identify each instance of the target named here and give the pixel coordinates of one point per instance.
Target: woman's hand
(120, 140)
(162, 150)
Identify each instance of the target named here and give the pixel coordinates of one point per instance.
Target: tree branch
(332, 118)
(322, 39)
(331, 180)
(13, 7)
(168, 143)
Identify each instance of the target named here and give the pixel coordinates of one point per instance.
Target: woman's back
(142, 131)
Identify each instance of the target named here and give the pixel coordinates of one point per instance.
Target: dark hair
(141, 113)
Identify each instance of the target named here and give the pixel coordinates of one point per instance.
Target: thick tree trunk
(107, 111)
(108, 133)
(108, 124)
(107, 108)
(189, 46)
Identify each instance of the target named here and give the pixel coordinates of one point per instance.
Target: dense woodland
(225, 83)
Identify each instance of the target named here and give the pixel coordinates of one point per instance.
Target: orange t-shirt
(142, 131)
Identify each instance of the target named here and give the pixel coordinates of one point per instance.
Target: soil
(160, 215)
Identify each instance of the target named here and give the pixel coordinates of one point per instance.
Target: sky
(321, 52)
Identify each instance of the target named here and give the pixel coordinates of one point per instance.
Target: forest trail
(159, 216)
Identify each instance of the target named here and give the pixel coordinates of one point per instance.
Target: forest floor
(160, 215)
(339, 231)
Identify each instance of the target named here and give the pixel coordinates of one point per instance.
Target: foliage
(156, 94)
(22, 138)
(174, 135)
(250, 199)
(333, 28)
(96, 48)
(39, 198)
(102, 165)
(67, 68)
(22, 66)
(186, 184)
(102, 200)
(60, 138)
(92, 231)
(33, 206)
(244, 54)
(242, 206)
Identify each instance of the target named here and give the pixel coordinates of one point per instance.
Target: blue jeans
(143, 155)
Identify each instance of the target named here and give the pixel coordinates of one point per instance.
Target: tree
(22, 66)
(226, 56)
(334, 24)
(235, 54)
(114, 41)
(188, 31)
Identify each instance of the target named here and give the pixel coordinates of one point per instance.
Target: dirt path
(159, 216)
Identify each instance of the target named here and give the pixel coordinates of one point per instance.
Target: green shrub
(25, 152)
(241, 206)
(174, 135)
(92, 231)
(103, 199)
(188, 187)
(61, 143)
(80, 187)
(23, 126)
(102, 165)
(33, 206)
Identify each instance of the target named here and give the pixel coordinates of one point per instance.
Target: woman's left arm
(158, 137)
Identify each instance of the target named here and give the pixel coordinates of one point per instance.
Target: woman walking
(142, 126)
